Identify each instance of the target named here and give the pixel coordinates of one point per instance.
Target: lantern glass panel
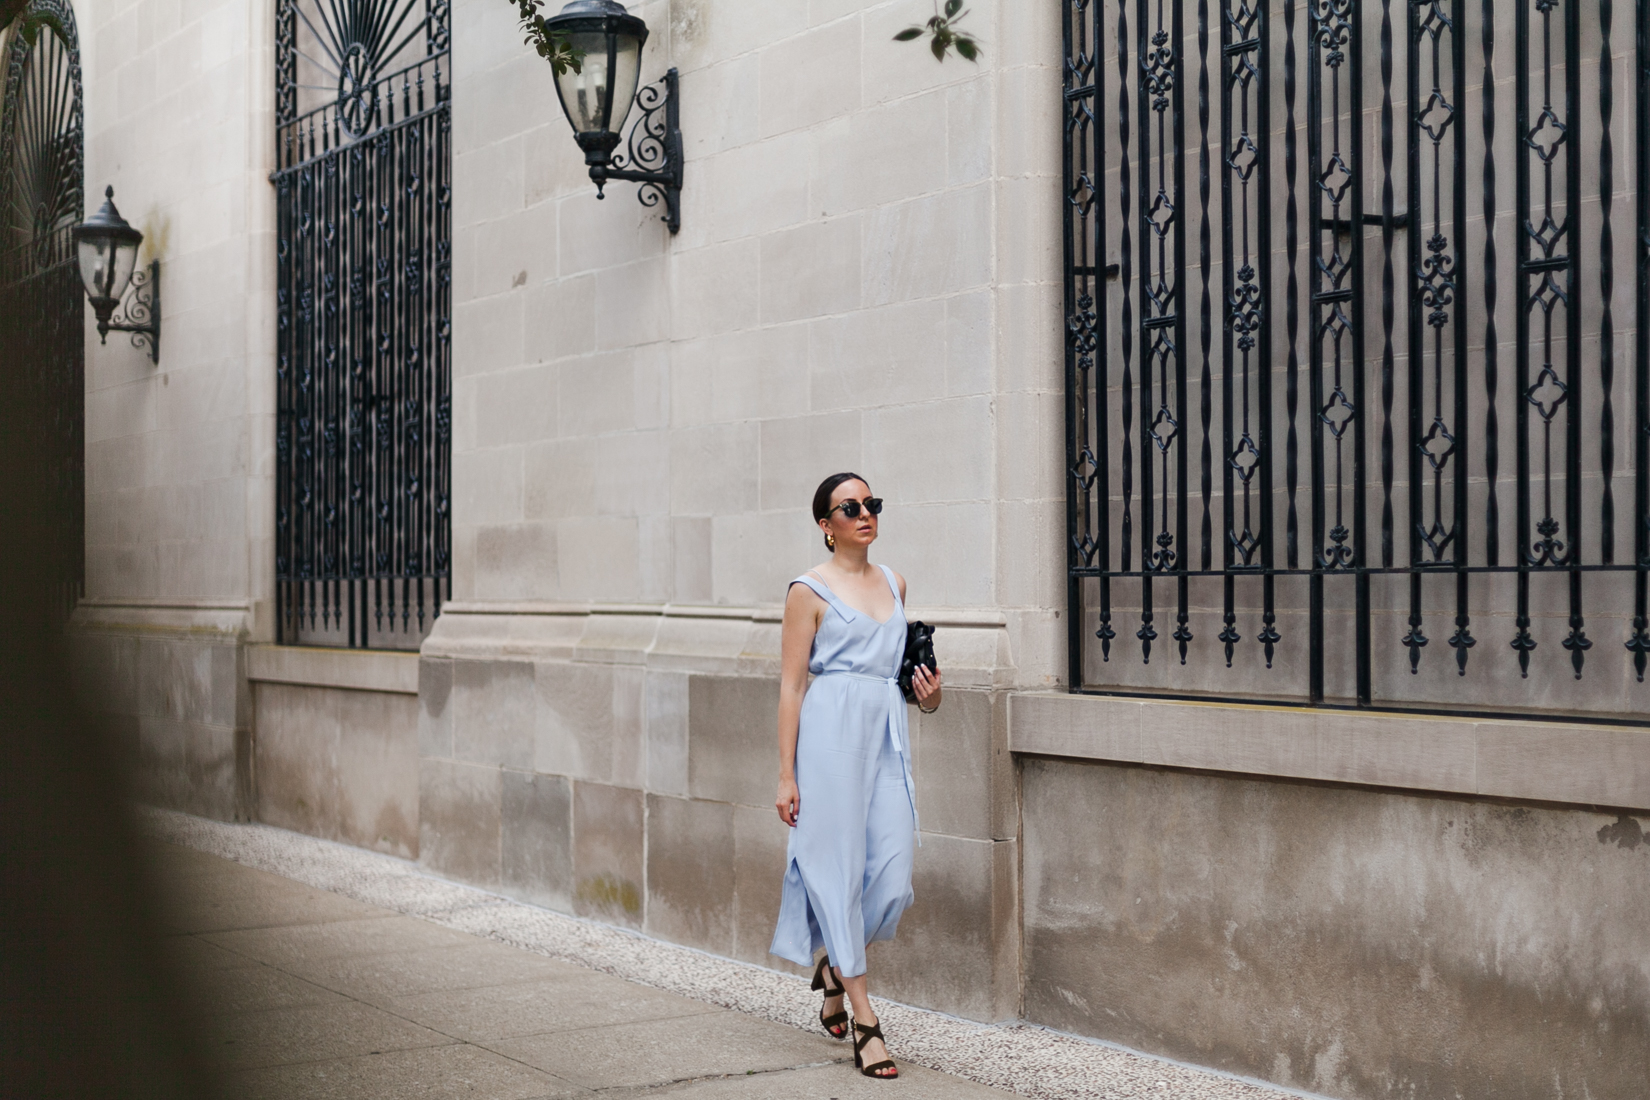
(584, 93)
(106, 264)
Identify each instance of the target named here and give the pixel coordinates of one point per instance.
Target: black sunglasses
(850, 508)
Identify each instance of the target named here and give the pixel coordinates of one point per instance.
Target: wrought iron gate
(42, 325)
(1300, 444)
(364, 377)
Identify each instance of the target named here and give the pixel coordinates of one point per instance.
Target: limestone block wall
(1359, 904)
(178, 456)
(867, 277)
(1356, 943)
(620, 765)
(179, 479)
(170, 686)
(335, 752)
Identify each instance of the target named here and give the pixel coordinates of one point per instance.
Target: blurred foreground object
(88, 1008)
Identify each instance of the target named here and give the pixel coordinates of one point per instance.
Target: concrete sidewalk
(306, 993)
(501, 987)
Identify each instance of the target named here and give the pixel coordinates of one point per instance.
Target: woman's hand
(926, 686)
(789, 801)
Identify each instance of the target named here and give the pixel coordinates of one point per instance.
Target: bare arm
(802, 610)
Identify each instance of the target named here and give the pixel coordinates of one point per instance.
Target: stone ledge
(1493, 757)
(314, 666)
(228, 619)
(939, 616)
(972, 645)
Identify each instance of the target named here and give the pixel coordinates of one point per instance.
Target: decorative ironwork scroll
(1246, 260)
(653, 151)
(1438, 372)
(1085, 243)
(1549, 270)
(364, 369)
(1336, 348)
(1162, 335)
(1374, 568)
(42, 311)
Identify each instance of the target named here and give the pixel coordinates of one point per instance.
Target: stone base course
(1359, 942)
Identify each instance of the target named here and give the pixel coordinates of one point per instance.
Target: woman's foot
(871, 1053)
(833, 1008)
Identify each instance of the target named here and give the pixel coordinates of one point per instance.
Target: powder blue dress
(848, 866)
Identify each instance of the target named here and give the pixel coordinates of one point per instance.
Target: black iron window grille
(1295, 374)
(363, 529)
(42, 315)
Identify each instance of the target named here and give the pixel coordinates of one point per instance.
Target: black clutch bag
(919, 650)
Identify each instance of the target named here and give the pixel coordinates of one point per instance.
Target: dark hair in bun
(822, 496)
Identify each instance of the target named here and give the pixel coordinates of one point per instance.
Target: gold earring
(830, 540)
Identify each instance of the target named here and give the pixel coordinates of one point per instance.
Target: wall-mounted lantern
(107, 248)
(597, 100)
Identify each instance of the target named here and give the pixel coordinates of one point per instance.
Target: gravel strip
(1024, 1059)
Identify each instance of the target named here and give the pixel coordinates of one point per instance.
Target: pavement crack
(676, 1082)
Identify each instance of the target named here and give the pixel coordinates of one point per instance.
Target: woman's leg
(874, 1050)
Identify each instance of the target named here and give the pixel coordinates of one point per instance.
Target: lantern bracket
(138, 313)
(653, 152)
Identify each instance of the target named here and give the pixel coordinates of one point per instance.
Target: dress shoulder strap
(820, 589)
(892, 583)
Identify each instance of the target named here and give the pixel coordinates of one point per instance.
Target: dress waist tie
(899, 734)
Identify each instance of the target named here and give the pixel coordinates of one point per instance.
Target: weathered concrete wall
(1358, 943)
(620, 784)
(170, 685)
(335, 750)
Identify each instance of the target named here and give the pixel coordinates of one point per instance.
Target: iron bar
(1523, 642)
(1461, 640)
(1492, 348)
(1232, 63)
(1291, 294)
(1268, 635)
(1577, 642)
(1638, 643)
(1205, 306)
(1102, 271)
(1388, 295)
(1076, 394)
(1606, 287)
(1182, 632)
(1125, 264)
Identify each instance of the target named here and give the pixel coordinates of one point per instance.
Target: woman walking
(845, 783)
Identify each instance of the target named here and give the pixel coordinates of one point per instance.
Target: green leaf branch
(554, 46)
(942, 31)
